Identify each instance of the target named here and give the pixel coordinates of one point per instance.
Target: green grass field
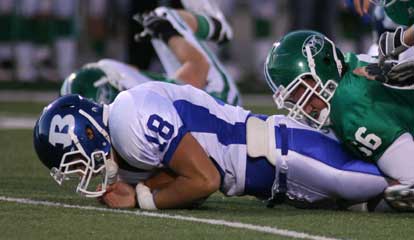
(23, 176)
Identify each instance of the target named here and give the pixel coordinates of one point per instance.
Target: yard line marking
(218, 222)
(17, 122)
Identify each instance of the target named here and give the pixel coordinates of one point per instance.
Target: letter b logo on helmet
(60, 129)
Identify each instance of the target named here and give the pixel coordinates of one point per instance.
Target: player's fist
(396, 75)
(119, 195)
(402, 74)
(156, 26)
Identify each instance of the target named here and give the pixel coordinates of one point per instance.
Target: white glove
(400, 197)
(402, 74)
(391, 44)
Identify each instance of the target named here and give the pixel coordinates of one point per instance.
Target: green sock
(203, 29)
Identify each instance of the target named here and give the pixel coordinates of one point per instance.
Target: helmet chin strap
(324, 117)
(311, 61)
(105, 115)
(337, 61)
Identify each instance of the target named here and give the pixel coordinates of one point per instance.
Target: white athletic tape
(144, 197)
(217, 222)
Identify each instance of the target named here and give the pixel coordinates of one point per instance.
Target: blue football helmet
(71, 139)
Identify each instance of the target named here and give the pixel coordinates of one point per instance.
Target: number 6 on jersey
(370, 142)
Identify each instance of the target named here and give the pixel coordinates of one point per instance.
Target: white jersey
(148, 122)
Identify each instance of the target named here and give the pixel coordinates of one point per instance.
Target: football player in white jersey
(185, 58)
(204, 144)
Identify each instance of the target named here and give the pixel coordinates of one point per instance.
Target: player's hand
(391, 73)
(375, 71)
(156, 26)
(391, 44)
(402, 75)
(119, 195)
(400, 197)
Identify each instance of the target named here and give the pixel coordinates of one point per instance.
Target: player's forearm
(195, 67)
(190, 19)
(409, 36)
(184, 191)
(160, 180)
(361, 9)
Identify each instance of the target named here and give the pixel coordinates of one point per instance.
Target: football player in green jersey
(313, 80)
(177, 34)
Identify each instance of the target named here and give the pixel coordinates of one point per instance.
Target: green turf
(265, 110)
(33, 86)
(21, 108)
(23, 176)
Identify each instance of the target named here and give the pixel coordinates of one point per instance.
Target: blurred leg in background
(97, 28)
(263, 13)
(318, 15)
(43, 39)
(66, 36)
(140, 54)
(7, 36)
(24, 49)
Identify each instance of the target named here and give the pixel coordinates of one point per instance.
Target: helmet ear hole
(327, 59)
(89, 133)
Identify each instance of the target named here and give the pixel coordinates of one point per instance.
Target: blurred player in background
(25, 70)
(185, 58)
(7, 36)
(96, 22)
(65, 40)
(263, 13)
(310, 16)
(45, 32)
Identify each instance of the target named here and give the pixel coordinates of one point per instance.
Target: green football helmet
(400, 11)
(299, 56)
(92, 82)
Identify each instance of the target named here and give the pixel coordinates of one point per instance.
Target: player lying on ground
(373, 121)
(204, 145)
(191, 61)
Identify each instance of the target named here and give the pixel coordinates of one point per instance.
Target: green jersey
(368, 116)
